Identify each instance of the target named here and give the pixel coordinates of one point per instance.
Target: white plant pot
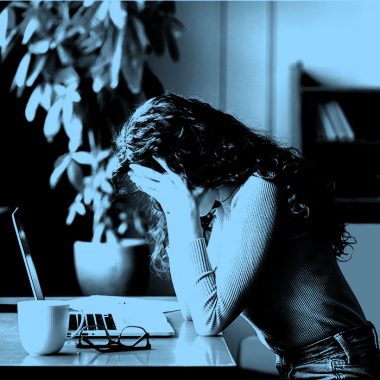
(112, 268)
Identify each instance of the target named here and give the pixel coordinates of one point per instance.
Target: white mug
(43, 325)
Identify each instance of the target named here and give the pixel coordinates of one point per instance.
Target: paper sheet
(134, 305)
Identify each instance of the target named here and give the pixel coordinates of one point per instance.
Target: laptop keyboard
(100, 320)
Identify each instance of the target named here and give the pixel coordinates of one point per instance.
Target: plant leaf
(11, 19)
(88, 3)
(60, 90)
(86, 18)
(79, 208)
(46, 94)
(20, 91)
(90, 44)
(59, 159)
(98, 178)
(100, 14)
(33, 103)
(117, 14)
(75, 175)
(72, 94)
(52, 122)
(106, 50)
(103, 154)
(39, 47)
(87, 195)
(30, 29)
(139, 28)
(68, 76)
(91, 141)
(19, 4)
(133, 61)
(3, 28)
(39, 64)
(22, 70)
(172, 44)
(86, 61)
(84, 158)
(111, 166)
(71, 215)
(64, 55)
(98, 83)
(116, 61)
(75, 133)
(60, 34)
(59, 170)
(106, 187)
(9, 44)
(67, 114)
(4, 209)
(176, 27)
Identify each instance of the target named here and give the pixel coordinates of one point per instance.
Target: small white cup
(43, 325)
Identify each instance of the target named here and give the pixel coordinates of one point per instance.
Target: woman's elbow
(186, 315)
(206, 329)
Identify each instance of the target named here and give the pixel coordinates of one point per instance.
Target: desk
(185, 349)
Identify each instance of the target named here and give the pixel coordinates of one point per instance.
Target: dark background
(26, 162)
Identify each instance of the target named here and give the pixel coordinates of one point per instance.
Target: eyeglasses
(131, 338)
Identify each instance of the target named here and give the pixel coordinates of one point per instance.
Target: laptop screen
(26, 255)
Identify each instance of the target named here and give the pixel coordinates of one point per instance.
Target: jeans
(351, 354)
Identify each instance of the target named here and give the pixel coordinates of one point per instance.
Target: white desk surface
(186, 348)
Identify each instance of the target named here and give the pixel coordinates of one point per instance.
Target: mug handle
(75, 333)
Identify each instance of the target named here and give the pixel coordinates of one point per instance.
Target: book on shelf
(326, 131)
(348, 133)
(334, 125)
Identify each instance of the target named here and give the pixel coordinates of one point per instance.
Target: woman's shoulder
(256, 187)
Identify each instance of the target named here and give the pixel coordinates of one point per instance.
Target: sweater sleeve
(216, 297)
(180, 289)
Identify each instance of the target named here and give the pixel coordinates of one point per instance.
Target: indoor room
(209, 165)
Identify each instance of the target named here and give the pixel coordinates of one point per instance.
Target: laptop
(114, 313)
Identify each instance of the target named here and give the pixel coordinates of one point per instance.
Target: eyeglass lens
(131, 337)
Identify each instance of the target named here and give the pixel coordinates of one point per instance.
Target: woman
(271, 254)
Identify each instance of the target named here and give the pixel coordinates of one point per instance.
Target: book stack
(334, 125)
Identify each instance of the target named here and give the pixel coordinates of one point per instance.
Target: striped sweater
(287, 285)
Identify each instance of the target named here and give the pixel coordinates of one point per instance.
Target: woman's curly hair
(210, 149)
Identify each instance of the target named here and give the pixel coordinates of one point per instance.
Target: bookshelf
(340, 137)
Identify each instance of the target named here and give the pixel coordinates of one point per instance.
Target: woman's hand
(178, 202)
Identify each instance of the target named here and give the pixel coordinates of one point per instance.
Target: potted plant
(85, 64)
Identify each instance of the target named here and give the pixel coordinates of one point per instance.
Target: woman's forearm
(180, 232)
(217, 294)
(183, 229)
(180, 284)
